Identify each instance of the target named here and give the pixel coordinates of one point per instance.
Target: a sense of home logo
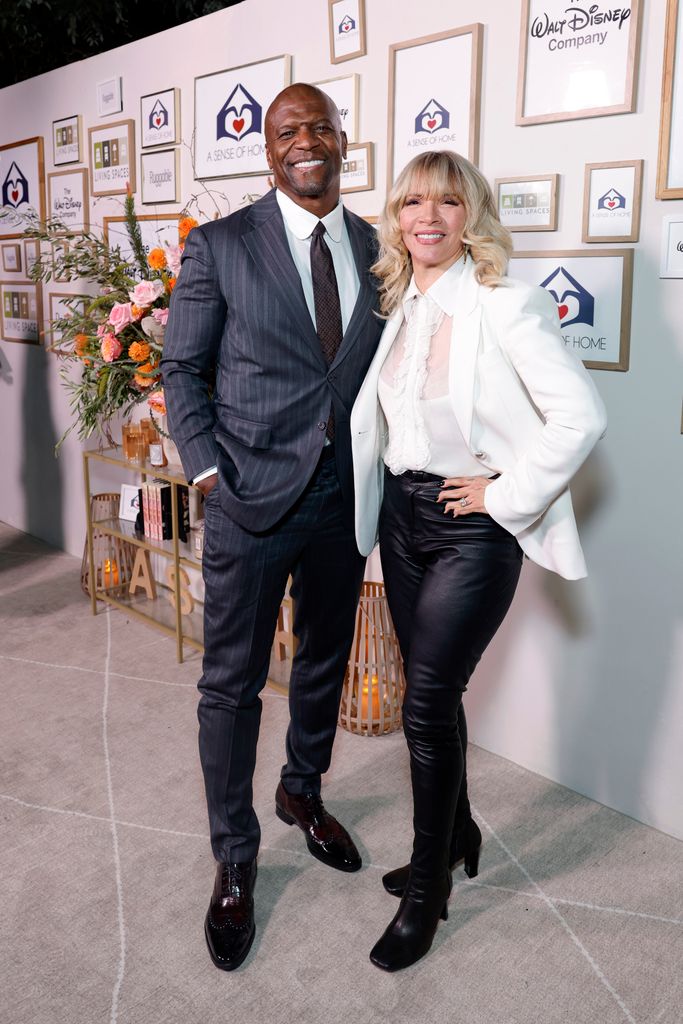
(346, 25)
(432, 118)
(612, 200)
(575, 304)
(240, 115)
(158, 117)
(14, 188)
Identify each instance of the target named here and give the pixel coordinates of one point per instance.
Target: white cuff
(203, 475)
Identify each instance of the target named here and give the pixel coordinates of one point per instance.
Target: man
(277, 300)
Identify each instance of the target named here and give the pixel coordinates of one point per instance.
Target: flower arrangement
(113, 337)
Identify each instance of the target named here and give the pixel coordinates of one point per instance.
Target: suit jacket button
(322, 425)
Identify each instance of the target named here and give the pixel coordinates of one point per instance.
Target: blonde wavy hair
(434, 175)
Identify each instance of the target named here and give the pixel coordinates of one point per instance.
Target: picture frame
(129, 503)
(229, 112)
(593, 290)
(22, 185)
(67, 140)
(611, 201)
(31, 255)
(562, 79)
(670, 157)
(447, 66)
(528, 203)
(156, 230)
(21, 312)
(159, 177)
(59, 249)
(347, 30)
(160, 118)
(60, 304)
(110, 96)
(358, 168)
(344, 93)
(111, 152)
(11, 258)
(671, 264)
(68, 199)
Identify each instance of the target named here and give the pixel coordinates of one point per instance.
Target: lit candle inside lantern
(369, 696)
(111, 573)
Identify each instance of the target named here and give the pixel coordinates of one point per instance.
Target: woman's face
(432, 230)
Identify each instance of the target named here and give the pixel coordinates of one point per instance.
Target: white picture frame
(67, 140)
(344, 92)
(159, 177)
(358, 168)
(670, 160)
(22, 185)
(156, 230)
(671, 264)
(111, 150)
(347, 30)
(109, 96)
(560, 79)
(68, 199)
(229, 112)
(129, 503)
(160, 118)
(528, 203)
(21, 312)
(611, 201)
(593, 290)
(434, 96)
(31, 255)
(11, 257)
(61, 304)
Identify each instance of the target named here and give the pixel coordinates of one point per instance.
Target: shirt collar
(442, 292)
(302, 223)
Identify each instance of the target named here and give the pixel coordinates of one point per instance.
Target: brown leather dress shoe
(229, 926)
(325, 837)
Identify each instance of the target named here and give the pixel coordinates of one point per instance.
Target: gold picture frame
(347, 30)
(612, 206)
(672, 85)
(530, 209)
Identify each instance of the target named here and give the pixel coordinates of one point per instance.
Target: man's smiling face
(305, 147)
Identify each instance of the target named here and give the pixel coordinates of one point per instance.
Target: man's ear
(270, 162)
(344, 143)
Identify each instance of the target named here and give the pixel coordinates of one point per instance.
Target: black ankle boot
(465, 847)
(411, 933)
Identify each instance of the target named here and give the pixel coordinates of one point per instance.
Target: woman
(470, 423)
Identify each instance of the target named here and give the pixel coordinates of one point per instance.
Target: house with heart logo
(158, 116)
(612, 200)
(346, 25)
(239, 116)
(432, 118)
(575, 304)
(14, 188)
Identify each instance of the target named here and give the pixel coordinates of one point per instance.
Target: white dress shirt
(299, 226)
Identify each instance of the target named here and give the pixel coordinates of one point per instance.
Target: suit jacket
(526, 407)
(239, 310)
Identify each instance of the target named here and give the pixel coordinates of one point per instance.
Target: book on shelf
(156, 516)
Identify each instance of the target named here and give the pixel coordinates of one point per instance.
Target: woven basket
(113, 557)
(374, 683)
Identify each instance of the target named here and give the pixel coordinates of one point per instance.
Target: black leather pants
(449, 584)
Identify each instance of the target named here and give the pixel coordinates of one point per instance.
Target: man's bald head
(301, 91)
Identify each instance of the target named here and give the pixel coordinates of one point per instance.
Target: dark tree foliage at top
(39, 35)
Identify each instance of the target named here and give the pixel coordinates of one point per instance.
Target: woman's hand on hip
(463, 495)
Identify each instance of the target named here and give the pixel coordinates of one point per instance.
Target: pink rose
(160, 315)
(101, 330)
(120, 316)
(173, 254)
(146, 292)
(111, 348)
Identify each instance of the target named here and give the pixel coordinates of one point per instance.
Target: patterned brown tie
(327, 306)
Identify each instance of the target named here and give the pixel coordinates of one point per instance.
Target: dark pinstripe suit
(278, 508)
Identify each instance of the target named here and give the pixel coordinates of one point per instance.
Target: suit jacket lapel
(464, 347)
(268, 247)
(366, 291)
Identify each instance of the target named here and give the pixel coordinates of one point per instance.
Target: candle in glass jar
(369, 696)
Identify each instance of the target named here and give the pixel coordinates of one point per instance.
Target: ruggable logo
(564, 33)
(14, 188)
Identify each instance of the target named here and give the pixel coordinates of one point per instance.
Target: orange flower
(81, 344)
(170, 284)
(185, 225)
(157, 259)
(144, 382)
(137, 311)
(139, 352)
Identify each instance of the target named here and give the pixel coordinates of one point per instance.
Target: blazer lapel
(268, 247)
(465, 339)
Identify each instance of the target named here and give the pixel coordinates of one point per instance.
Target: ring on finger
(464, 502)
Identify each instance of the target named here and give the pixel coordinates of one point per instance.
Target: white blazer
(526, 407)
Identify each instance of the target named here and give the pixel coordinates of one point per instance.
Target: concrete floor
(105, 867)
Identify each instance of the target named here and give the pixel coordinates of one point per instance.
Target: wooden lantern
(113, 557)
(374, 683)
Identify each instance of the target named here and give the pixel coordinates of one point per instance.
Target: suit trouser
(245, 575)
(449, 584)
